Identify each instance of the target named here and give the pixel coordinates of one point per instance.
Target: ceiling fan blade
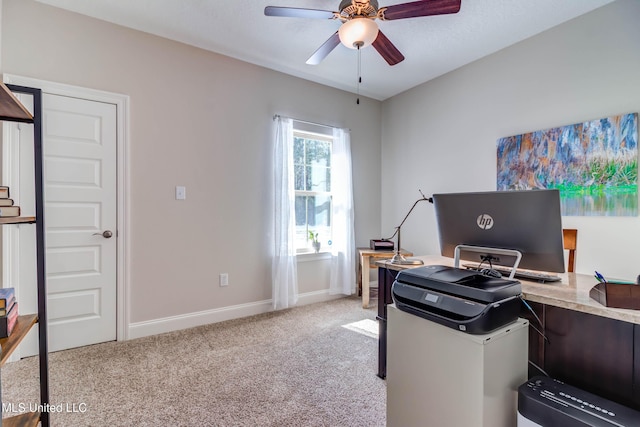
(324, 50)
(294, 12)
(421, 8)
(387, 50)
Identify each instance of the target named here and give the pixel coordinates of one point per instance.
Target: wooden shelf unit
(12, 110)
(18, 220)
(22, 328)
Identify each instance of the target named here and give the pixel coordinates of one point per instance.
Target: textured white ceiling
(431, 45)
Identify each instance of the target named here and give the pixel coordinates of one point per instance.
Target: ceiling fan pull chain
(359, 74)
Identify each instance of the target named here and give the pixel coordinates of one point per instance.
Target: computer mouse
(491, 273)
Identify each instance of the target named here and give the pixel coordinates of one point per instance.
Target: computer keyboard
(535, 276)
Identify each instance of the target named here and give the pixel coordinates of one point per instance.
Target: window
(313, 206)
(313, 157)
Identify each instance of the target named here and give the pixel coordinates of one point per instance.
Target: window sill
(312, 256)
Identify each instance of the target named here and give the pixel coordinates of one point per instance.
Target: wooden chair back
(570, 236)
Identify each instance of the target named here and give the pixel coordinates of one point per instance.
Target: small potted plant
(314, 241)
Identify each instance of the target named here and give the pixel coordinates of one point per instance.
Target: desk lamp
(398, 258)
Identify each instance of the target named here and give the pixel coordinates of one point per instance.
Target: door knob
(106, 234)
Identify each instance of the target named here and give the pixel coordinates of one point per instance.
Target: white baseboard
(190, 320)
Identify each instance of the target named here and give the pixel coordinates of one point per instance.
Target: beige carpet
(298, 367)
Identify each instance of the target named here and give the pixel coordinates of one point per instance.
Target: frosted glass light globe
(358, 32)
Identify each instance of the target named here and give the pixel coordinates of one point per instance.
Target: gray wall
(441, 136)
(204, 121)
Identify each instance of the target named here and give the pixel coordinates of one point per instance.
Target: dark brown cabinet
(386, 276)
(587, 351)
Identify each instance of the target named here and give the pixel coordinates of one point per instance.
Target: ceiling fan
(359, 29)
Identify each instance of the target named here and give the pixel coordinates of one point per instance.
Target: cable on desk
(542, 334)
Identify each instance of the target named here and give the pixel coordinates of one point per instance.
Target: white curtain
(284, 269)
(343, 276)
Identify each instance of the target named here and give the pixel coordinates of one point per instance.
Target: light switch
(181, 192)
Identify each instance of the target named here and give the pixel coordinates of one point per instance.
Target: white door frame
(123, 185)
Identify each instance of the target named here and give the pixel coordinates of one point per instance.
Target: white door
(79, 144)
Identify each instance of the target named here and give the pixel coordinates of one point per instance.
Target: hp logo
(484, 221)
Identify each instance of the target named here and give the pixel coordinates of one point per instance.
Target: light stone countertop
(571, 293)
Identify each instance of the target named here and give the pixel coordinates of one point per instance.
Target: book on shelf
(9, 211)
(4, 192)
(8, 322)
(6, 202)
(7, 295)
(7, 308)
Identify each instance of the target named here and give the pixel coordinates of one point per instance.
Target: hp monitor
(526, 221)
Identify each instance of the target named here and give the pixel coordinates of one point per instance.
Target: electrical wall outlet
(224, 279)
(181, 192)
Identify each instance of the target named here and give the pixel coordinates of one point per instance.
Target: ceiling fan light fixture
(358, 32)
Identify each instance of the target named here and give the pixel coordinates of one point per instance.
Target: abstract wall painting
(594, 165)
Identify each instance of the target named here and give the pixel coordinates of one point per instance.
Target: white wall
(441, 136)
(204, 121)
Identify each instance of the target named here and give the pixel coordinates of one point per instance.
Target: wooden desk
(587, 345)
(364, 264)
